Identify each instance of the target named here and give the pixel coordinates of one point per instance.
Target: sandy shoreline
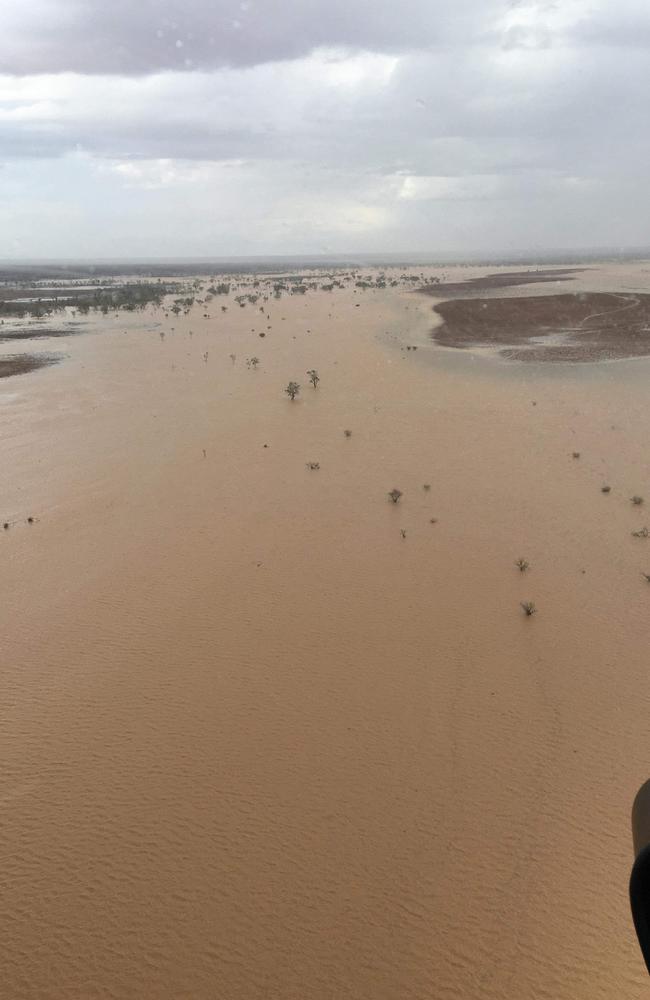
(256, 743)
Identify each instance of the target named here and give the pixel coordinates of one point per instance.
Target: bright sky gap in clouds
(219, 128)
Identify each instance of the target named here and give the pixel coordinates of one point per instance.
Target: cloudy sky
(227, 127)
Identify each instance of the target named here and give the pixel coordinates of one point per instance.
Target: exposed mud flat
(594, 326)
(32, 332)
(258, 744)
(499, 280)
(22, 364)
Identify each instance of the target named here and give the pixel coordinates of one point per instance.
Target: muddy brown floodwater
(257, 744)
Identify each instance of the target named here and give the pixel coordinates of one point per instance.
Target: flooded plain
(267, 735)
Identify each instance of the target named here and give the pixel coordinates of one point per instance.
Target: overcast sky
(222, 127)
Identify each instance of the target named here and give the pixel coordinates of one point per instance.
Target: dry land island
(584, 326)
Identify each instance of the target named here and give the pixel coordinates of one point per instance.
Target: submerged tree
(314, 377)
(529, 608)
(522, 565)
(395, 495)
(636, 500)
(292, 390)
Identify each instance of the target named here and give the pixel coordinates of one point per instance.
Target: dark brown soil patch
(580, 327)
(20, 364)
(493, 282)
(38, 333)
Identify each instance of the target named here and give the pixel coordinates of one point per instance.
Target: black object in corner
(640, 878)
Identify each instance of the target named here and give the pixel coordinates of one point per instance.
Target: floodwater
(256, 744)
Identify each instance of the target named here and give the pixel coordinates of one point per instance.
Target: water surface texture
(256, 742)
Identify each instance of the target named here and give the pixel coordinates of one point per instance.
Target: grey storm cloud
(147, 36)
(466, 119)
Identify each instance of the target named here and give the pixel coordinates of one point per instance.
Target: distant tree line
(129, 297)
